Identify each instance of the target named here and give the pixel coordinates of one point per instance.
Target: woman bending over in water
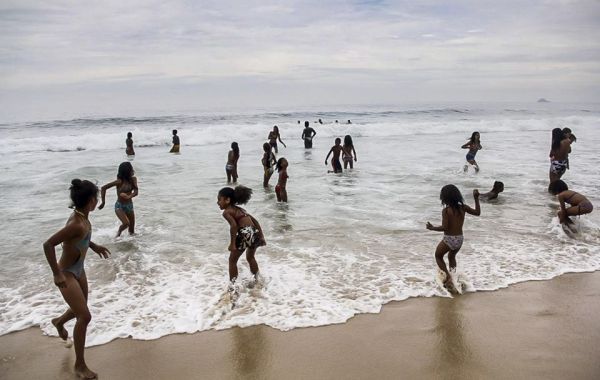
(579, 204)
(69, 274)
(127, 188)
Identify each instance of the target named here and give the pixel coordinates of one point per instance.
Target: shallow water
(344, 244)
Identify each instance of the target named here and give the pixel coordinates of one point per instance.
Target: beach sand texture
(533, 330)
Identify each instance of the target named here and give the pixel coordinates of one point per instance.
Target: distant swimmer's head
(349, 122)
(475, 137)
(281, 164)
(267, 147)
(348, 140)
(129, 135)
(451, 196)
(498, 187)
(235, 147)
(238, 196)
(336, 121)
(306, 124)
(84, 194)
(338, 141)
(298, 121)
(174, 132)
(125, 172)
(558, 187)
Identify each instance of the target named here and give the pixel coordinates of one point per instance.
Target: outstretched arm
(103, 192)
(279, 138)
(477, 210)
(466, 146)
(354, 150)
(444, 225)
(328, 154)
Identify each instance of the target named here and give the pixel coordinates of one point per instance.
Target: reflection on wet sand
(250, 354)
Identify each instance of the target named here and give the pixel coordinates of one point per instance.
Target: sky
(103, 57)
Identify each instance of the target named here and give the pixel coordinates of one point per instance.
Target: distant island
(543, 100)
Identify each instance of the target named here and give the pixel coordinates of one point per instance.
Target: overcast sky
(102, 56)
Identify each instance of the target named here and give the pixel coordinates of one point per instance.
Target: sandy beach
(534, 330)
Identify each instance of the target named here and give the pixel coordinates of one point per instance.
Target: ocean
(345, 243)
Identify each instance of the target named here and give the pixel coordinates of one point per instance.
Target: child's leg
(278, 193)
(233, 259)
(283, 195)
(351, 164)
(345, 164)
(124, 221)
(131, 217)
(251, 260)
(452, 259)
(228, 175)
(440, 251)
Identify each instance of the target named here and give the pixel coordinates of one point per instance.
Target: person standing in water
(559, 155)
(453, 218)
(348, 152)
(335, 160)
(473, 145)
(244, 231)
(268, 161)
(232, 160)
(69, 273)
(273, 137)
(280, 190)
(127, 189)
(307, 135)
(175, 148)
(129, 142)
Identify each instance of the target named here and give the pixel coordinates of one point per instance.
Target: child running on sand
(473, 145)
(347, 152)
(69, 274)
(232, 160)
(453, 218)
(580, 205)
(280, 190)
(127, 189)
(335, 161)
(268, 161)
(245, 231)
(129, 142)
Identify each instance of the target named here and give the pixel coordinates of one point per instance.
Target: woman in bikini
(232, 160)
(268, 161)
(348, 152)
(453, 218)
(280, 189)
(559, 155)
(474, 145)
(129, 142)
(580, 205)
(273, 137)
(69, 274)
(127, 189)
(245, 231)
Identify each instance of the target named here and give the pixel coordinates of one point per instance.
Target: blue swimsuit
(77, 267)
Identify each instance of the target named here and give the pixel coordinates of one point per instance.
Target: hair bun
(76, 182)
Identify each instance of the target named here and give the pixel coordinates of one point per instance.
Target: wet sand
(534, 330)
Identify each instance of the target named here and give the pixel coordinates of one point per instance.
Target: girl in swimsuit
(68, 272)
(268, 161)
(559, 155)
(453, 218)
(473, 145)
(129, 142)
(127, 188)
(347, 151)
(280, 190)
(580, 205)
(245, 231)
(232, 159)
(273, 137)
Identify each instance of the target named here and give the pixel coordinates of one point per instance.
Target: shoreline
(534, 329)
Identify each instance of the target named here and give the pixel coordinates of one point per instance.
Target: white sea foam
(345, 244)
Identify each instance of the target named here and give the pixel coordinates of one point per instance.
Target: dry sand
(534, 330)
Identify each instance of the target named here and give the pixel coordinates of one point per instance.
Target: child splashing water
(453, 218)
(245, 231)
(473, 145)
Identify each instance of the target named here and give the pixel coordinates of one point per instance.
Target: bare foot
(62, 332)
(84, 372)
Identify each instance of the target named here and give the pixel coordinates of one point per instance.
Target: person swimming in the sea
(127, 189)
(335, 160)
(129, 143)
(280, 189)
(579, 204)
(175, 148)
(69, 273)
(453, 218)
(493, 194)
(473, 145)
(232, 160)
(307, 135)
(273, 137)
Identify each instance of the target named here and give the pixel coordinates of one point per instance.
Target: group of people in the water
(246, 234)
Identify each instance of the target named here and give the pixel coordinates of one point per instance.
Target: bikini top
(240, 215)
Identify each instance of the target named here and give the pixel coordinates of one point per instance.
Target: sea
(345, 244)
